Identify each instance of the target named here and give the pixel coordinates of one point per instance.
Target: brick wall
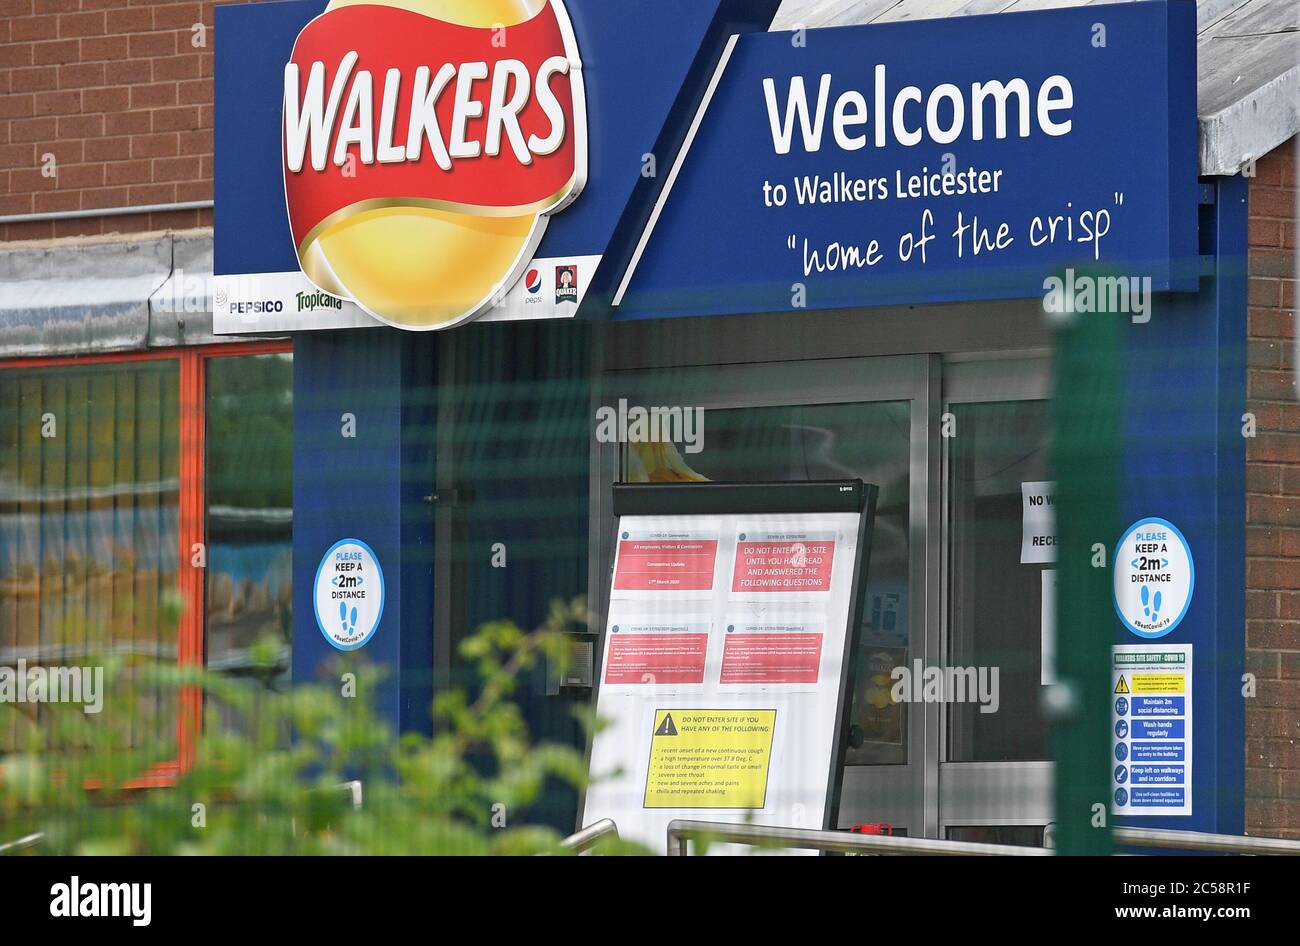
(117, 94)
(1273, 505)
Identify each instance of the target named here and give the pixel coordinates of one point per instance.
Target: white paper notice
(722, 668)
(1038, 536)
(1048, 675)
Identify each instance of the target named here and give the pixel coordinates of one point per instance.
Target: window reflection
(89, 499)
(250, 512)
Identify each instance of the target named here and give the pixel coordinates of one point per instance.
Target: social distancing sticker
(1154, 578)
(349, 594)
(706, 758)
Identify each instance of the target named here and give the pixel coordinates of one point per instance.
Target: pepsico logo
(425, 144)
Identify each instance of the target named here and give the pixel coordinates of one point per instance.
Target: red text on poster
(656, 658)
(771, 658)
(797, 565)
(665, 564)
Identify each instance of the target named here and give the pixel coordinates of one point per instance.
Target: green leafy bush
(251, 790)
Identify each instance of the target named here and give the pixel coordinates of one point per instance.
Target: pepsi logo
(534, 281)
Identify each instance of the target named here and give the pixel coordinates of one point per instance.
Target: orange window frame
(192, 515)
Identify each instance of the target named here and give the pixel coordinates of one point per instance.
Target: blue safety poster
(1151, 732)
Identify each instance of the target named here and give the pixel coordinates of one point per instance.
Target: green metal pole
(1086, 413)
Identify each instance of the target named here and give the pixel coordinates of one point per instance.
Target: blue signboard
(930, 161)
(642, 63)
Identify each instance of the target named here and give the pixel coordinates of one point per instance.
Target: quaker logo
(534, 281)
(425, 145)
(566, 284)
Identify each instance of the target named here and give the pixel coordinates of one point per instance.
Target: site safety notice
(722, 670)
(1151, 718)
(709, 758)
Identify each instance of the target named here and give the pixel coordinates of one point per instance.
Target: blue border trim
(382, 596)
(1191, 584)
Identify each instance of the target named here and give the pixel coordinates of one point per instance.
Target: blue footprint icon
(1150, 606)
(349, 627)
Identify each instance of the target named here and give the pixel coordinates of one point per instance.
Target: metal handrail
(681, 832)
(23, 843)
(1199, 841)
(356, 790)
(586, 838)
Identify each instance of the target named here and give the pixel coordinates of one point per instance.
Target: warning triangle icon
(666, 728)
(1121, 686)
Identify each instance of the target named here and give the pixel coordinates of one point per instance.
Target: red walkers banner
(384, 104)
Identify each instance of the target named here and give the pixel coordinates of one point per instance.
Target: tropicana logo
(426, 143)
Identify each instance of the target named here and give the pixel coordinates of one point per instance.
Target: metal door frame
(911, 378)
(950, 352)
(986, 793)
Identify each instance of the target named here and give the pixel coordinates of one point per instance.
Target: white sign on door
(1038, 519)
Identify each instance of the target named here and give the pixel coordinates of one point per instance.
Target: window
(249, 511)
(996, 594)
(124, 481)
(89, 525)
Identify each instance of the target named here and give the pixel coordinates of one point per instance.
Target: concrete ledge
(98, 295)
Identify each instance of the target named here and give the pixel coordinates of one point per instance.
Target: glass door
(999, 581)
(817, 420)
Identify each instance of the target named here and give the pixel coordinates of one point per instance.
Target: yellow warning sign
(703, 758)
(1121, 686)
(1158, 682)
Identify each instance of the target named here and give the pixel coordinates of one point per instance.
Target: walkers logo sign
(425, 144)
